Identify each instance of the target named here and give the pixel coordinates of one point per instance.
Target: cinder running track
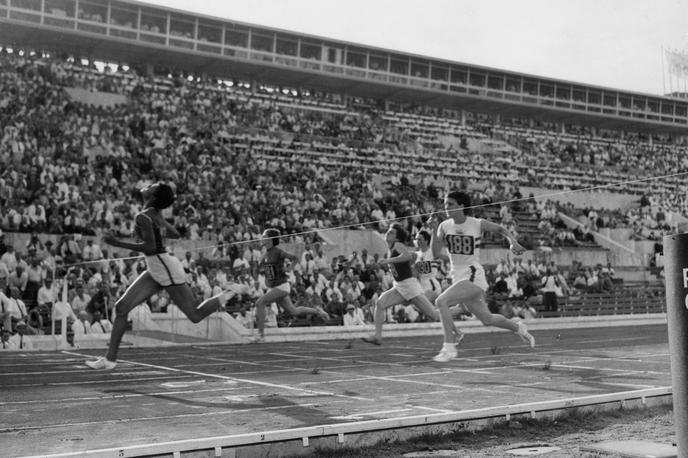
(51, 403)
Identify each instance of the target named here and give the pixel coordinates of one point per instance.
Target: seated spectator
(524, 310)
(245, 318)
(18, 312)
(9, 259)
(351, 318)
(80, 299)
(47, 295)
(9, 341)
(18, 279)
(100, 325)
(82, 325)
(91, 251)
(412, 314)
(101, 300)
(271, 313)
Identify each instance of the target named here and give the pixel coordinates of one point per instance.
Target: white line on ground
(97, 382)
(357, 416)
(117, 396)
(224, 377)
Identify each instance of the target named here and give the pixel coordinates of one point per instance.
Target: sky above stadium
(612, 43)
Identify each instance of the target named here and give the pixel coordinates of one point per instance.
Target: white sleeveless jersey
(426, 265)
(462, 241)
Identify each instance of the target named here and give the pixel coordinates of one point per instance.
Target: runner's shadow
(306, 414)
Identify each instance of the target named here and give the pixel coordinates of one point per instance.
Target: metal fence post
(676, 276)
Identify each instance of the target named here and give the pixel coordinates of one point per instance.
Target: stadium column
(676, 275)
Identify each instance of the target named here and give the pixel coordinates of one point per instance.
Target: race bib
(424, 267)
(460, 244)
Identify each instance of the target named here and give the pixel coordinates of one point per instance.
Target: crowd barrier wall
(95, 98)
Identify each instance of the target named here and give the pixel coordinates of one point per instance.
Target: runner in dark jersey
(272, 266)
(406, 288)
(164, 271)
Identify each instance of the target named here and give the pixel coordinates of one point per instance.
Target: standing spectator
(550, 283)
(34, 280)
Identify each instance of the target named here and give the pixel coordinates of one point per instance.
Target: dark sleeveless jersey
(158, 234)
(400, 270)
(273, 267)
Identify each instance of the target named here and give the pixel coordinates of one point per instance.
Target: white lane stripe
(357, 416)
(432, 409)
(96, 382)
(116, 396)
(84, 371)
(224, 377)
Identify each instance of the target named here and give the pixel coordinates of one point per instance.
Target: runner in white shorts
(460, 234)
(164, 271)
(406, 288)
(427, 266)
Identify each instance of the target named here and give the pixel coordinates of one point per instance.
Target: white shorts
(408, 289)
(430, 284)
(473, 273)
(166, 269)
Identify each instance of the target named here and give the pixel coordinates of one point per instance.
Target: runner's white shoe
(525, 335)
(102, 363)
(445, 355)
(372, 340)
(256, 339)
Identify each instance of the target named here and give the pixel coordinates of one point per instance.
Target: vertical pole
(676, 275)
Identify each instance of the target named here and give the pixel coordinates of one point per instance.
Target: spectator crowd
(244, 158)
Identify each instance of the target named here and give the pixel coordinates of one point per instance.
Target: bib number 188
(460, 244)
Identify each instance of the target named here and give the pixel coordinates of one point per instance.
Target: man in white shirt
(9, 259)
(100, 325)
(46, 293)
(82, 325)
(91, 252)
(11, 342)
(81, 299)
(239, 264)
(351, 318)
(17, 311)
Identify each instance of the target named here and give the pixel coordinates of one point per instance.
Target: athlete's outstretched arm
(437, 240)
(170, 231)
(404, 255)
(488, 226)
(289, 256)
(434, 223)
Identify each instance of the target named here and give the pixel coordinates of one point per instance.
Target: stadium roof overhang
(116, 50)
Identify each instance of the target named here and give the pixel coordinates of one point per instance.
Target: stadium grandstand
(330, 142)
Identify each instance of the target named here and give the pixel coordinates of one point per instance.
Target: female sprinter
(406, 288)
(163, 271)
(279, 289)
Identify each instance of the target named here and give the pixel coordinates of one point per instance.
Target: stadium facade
(138, 33)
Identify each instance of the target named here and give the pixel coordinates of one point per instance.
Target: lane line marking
(224, 377)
